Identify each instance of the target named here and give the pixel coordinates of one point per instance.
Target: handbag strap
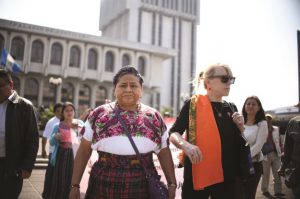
(132, 142)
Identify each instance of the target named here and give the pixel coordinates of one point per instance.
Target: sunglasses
(224, 78)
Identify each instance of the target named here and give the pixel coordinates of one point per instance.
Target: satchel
(157, 189)
(291, 177)
(267, 148)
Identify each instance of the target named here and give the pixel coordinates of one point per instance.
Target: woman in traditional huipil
(118, 172)
(65, 139)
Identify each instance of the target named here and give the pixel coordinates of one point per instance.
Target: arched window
(125, 60)
(84, 98)
(109, 62)
(92, 59)
(1, 43)
(67, 92)
(17, 83)
(142, 66)
(101, 95)
(56, 54)
(17, 48)
(75, 57)
(37, 51)
(31, 91)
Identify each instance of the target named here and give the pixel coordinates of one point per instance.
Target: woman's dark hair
(260, 115)
(64, 106)
(127, 70)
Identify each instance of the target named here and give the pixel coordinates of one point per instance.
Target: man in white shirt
(272, 152)
(49, 128)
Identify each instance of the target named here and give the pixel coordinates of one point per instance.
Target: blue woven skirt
(58, 178)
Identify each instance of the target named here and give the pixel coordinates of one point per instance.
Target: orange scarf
(209, 171)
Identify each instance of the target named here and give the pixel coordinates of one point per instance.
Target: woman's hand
(172, 192)
(238, 119)
(58, 136)
(74, 193)
(193, 152)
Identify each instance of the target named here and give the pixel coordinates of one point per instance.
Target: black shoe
(268, 195)
(279, 194)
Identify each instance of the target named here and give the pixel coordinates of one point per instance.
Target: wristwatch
(75, 186)
(172, 184)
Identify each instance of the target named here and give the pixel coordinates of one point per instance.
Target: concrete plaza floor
(33, 187)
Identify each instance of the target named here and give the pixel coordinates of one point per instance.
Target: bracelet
(75, 186)
(172, 185)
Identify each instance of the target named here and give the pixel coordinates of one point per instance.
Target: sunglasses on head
(225, 78)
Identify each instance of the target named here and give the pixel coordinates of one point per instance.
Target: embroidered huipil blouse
(106, 133)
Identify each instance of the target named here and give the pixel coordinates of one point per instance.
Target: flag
(8, 61)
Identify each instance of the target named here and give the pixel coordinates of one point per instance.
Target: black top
(228, 135)
(292, 144)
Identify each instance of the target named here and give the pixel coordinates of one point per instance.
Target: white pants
(273, 162)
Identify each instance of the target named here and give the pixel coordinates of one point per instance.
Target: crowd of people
(225, 152)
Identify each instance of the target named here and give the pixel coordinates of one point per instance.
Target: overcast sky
(257, 38)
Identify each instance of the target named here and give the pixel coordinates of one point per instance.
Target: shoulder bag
(157, 189)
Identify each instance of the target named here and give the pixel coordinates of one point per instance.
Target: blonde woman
(213, 143)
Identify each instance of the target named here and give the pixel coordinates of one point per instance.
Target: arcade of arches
(52, 93)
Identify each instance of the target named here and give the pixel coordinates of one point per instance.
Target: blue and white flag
(8, 61)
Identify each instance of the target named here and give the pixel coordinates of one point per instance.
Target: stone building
(156, 36)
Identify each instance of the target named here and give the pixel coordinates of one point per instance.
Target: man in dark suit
(18, 138)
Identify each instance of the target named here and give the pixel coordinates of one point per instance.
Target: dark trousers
(10, 183)
(296, 191)
(247, 189)
(217, 191)
(48, 174)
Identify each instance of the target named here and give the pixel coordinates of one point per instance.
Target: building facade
(157, 37)
(165, 23)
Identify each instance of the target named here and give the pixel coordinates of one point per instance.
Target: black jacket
(292, 144)
(21, 135)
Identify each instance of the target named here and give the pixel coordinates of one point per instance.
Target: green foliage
(165, 109)
(45, 115)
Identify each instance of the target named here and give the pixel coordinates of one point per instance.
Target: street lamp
(55, 82)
